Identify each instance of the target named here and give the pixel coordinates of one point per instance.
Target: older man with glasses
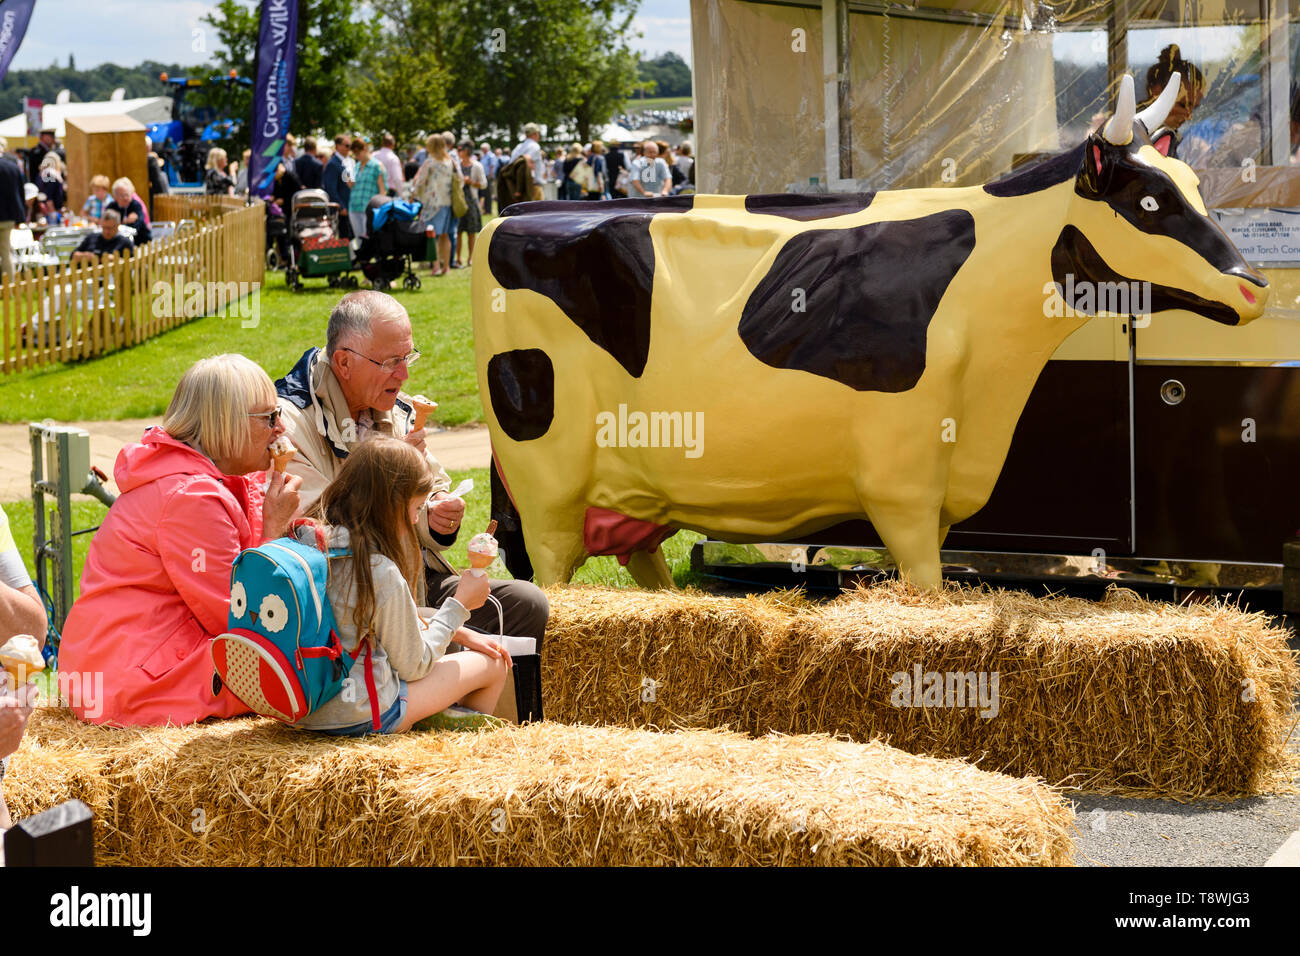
(336, 398)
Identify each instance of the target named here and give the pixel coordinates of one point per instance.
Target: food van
(1155, 449)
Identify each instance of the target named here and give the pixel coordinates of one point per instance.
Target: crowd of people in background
(456, 181)
(38, 196)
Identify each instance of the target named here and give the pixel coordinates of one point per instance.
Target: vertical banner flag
(277, 66)
(34, 110)
(14, 15)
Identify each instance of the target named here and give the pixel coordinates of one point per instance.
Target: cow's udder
(608, 532)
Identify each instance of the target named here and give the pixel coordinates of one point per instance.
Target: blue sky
(131, 31)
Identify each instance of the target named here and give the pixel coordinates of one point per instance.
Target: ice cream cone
(482, 548)
(282, 452)
(21, 657)
(20, 671)
(423, 408)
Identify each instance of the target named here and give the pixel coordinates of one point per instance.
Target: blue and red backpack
(281, 655)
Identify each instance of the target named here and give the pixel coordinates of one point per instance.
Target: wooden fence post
(67, 313)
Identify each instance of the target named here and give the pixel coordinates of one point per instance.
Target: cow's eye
(274, 615)
(1149, 204)
(238, 600)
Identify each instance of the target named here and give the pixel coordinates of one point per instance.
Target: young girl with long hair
(370, 508)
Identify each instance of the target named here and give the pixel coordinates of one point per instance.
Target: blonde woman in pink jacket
(155, 589)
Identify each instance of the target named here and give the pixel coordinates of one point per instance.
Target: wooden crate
(110, 145)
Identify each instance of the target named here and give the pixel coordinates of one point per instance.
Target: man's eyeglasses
(272, 417)
(390, 366)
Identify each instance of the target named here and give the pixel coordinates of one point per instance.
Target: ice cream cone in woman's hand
(423, 409)
(282, 451)
(482, 548)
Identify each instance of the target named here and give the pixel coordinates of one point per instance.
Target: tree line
(417, 65)
(467, 65)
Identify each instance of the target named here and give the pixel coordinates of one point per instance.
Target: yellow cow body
(785, 452)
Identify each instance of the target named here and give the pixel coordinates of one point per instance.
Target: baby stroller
(389, 248)
(277, 237)
(315, 247)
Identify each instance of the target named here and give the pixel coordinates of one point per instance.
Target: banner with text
(14, 16)
(277, 66)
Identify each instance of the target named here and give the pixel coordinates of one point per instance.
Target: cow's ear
(1095, 170)
(1166, 141)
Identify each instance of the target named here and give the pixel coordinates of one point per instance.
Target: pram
(315, 247)
(277, 237)
(387, 251)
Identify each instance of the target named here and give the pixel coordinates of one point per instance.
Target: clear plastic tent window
(853, 96)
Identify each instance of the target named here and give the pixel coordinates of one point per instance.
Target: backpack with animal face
(281, 655)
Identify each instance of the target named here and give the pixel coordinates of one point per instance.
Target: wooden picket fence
(82, 310)
(175, 208)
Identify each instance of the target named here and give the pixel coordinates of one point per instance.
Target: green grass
(86, 513)
(603, 571)
(138, 382)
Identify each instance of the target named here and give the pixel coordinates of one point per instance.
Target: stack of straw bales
(251, 792)
(1126, 694)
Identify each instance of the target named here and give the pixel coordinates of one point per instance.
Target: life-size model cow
(761, 367)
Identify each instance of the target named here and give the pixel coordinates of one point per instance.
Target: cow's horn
(1154, 115)
(1119, 128)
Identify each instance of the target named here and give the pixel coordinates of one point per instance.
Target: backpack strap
(370, 686)
(317, 530)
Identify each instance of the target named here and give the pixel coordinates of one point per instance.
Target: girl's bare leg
(470, 677)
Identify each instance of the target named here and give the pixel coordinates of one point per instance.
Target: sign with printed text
(1266, 237)
(14, 17)
(277, 68)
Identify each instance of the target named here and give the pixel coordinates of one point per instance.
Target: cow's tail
(510, 529)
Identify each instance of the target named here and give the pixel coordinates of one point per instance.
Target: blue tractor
(184, 142)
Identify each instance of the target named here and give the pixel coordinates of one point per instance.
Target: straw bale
(251, 792)
(1124, 695)
(657, 658)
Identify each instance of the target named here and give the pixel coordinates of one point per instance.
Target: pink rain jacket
(156, 587)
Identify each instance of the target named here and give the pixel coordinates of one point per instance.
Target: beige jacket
(316, 420)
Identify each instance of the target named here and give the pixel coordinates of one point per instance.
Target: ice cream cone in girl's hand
(483, 548)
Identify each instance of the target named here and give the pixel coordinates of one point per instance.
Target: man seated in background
(337, 397)
(108, 241)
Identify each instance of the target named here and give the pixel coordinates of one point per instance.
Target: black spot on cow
(867, 297)
(1077, 265)
(594, 260)
(808, 207)
(1050, 172)
(521, 386)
